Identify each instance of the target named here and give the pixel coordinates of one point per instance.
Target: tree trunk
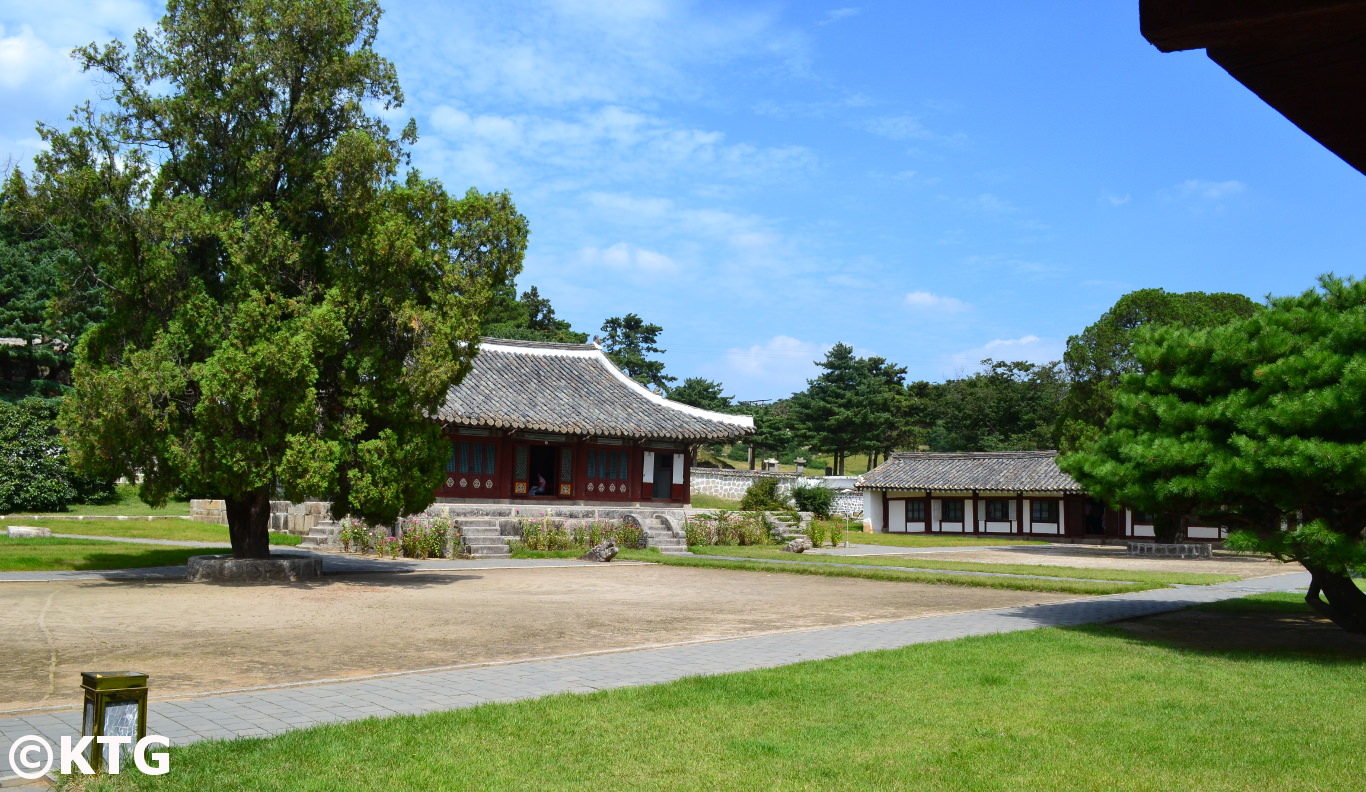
(1336, 596)
(1167, 528)
(751, 456)
(249, 524)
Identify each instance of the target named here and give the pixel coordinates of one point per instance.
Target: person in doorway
(540, 487)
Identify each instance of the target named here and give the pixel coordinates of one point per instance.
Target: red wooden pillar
(1019, 512)
(581, 470)
(635, 463)
(929, 517)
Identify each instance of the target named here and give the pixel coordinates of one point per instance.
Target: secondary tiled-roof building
(998, 492)
(559, 423)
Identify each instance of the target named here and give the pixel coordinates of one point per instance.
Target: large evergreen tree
(1258, 424)
(45, 305)
(1102, 353)
(704, 393)
(1008, 406)
(853, 406)
(630, 341)
(527, 318)
(284, 306)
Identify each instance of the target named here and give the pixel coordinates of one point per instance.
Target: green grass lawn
(170, 528)
(1052, 710)
(126, 503)
(50, 555)
(922, 562)
(704, 501)
(888, 574)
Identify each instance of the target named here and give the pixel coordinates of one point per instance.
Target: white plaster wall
(896, 516)
(872, 510)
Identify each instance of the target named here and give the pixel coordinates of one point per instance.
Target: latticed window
(607, 465)
(998, 510)
(953, 511)
(1043, 511)
(472, 458)
(915, 511)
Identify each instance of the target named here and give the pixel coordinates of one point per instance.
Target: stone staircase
(323, 534)
(661, 536)
(482, 537)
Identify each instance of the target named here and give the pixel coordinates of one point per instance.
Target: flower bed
(417, 536)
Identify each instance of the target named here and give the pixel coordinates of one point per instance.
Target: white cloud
(25, 58)
(783, 362)
(628, 258)
(926, 303)
(556, 53)
(605, 144)
(1107, 197)
(1209, 190)
(989, 204)
(838, 14)
(902, 127)
(1200, 195)
(1029, 348)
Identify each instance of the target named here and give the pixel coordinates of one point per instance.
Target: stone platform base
(1158, 550)
(226, 569)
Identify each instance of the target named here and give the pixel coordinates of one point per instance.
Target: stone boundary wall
(285, 517)
(733, 484)
(208, 511)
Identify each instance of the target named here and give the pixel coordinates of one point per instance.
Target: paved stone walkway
(267, 711)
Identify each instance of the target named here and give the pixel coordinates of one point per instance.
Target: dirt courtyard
(198, 638)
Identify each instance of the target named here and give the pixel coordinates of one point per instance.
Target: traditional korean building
(558, 424)
(1021, 493)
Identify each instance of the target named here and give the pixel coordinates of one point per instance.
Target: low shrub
(547, 534)
(817, 500)
(728, 528)
(763, 495)
(815, 531)
(419, 537)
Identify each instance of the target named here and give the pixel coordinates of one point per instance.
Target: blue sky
(931, 182)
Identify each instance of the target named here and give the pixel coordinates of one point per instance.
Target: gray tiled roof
(1000, 471)
(574, 389)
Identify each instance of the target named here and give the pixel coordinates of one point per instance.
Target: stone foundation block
(277, 569)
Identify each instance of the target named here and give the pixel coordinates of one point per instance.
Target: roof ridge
(974, 454)
(517, 342)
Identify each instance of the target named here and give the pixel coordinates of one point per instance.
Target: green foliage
(855, 405)
(1256, 424)
(763, 495)
(42, 310)
(728, 528)
(629, 343)
(35, 474)
(550, 535)
(528, 318)
(702, 393)
(1005, 407)
(816, 500)
(774, 432)
(423, 537)
(1101, 354)
(283, 305)
(817, 532)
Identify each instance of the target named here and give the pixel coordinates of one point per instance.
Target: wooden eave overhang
(1305, 58)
